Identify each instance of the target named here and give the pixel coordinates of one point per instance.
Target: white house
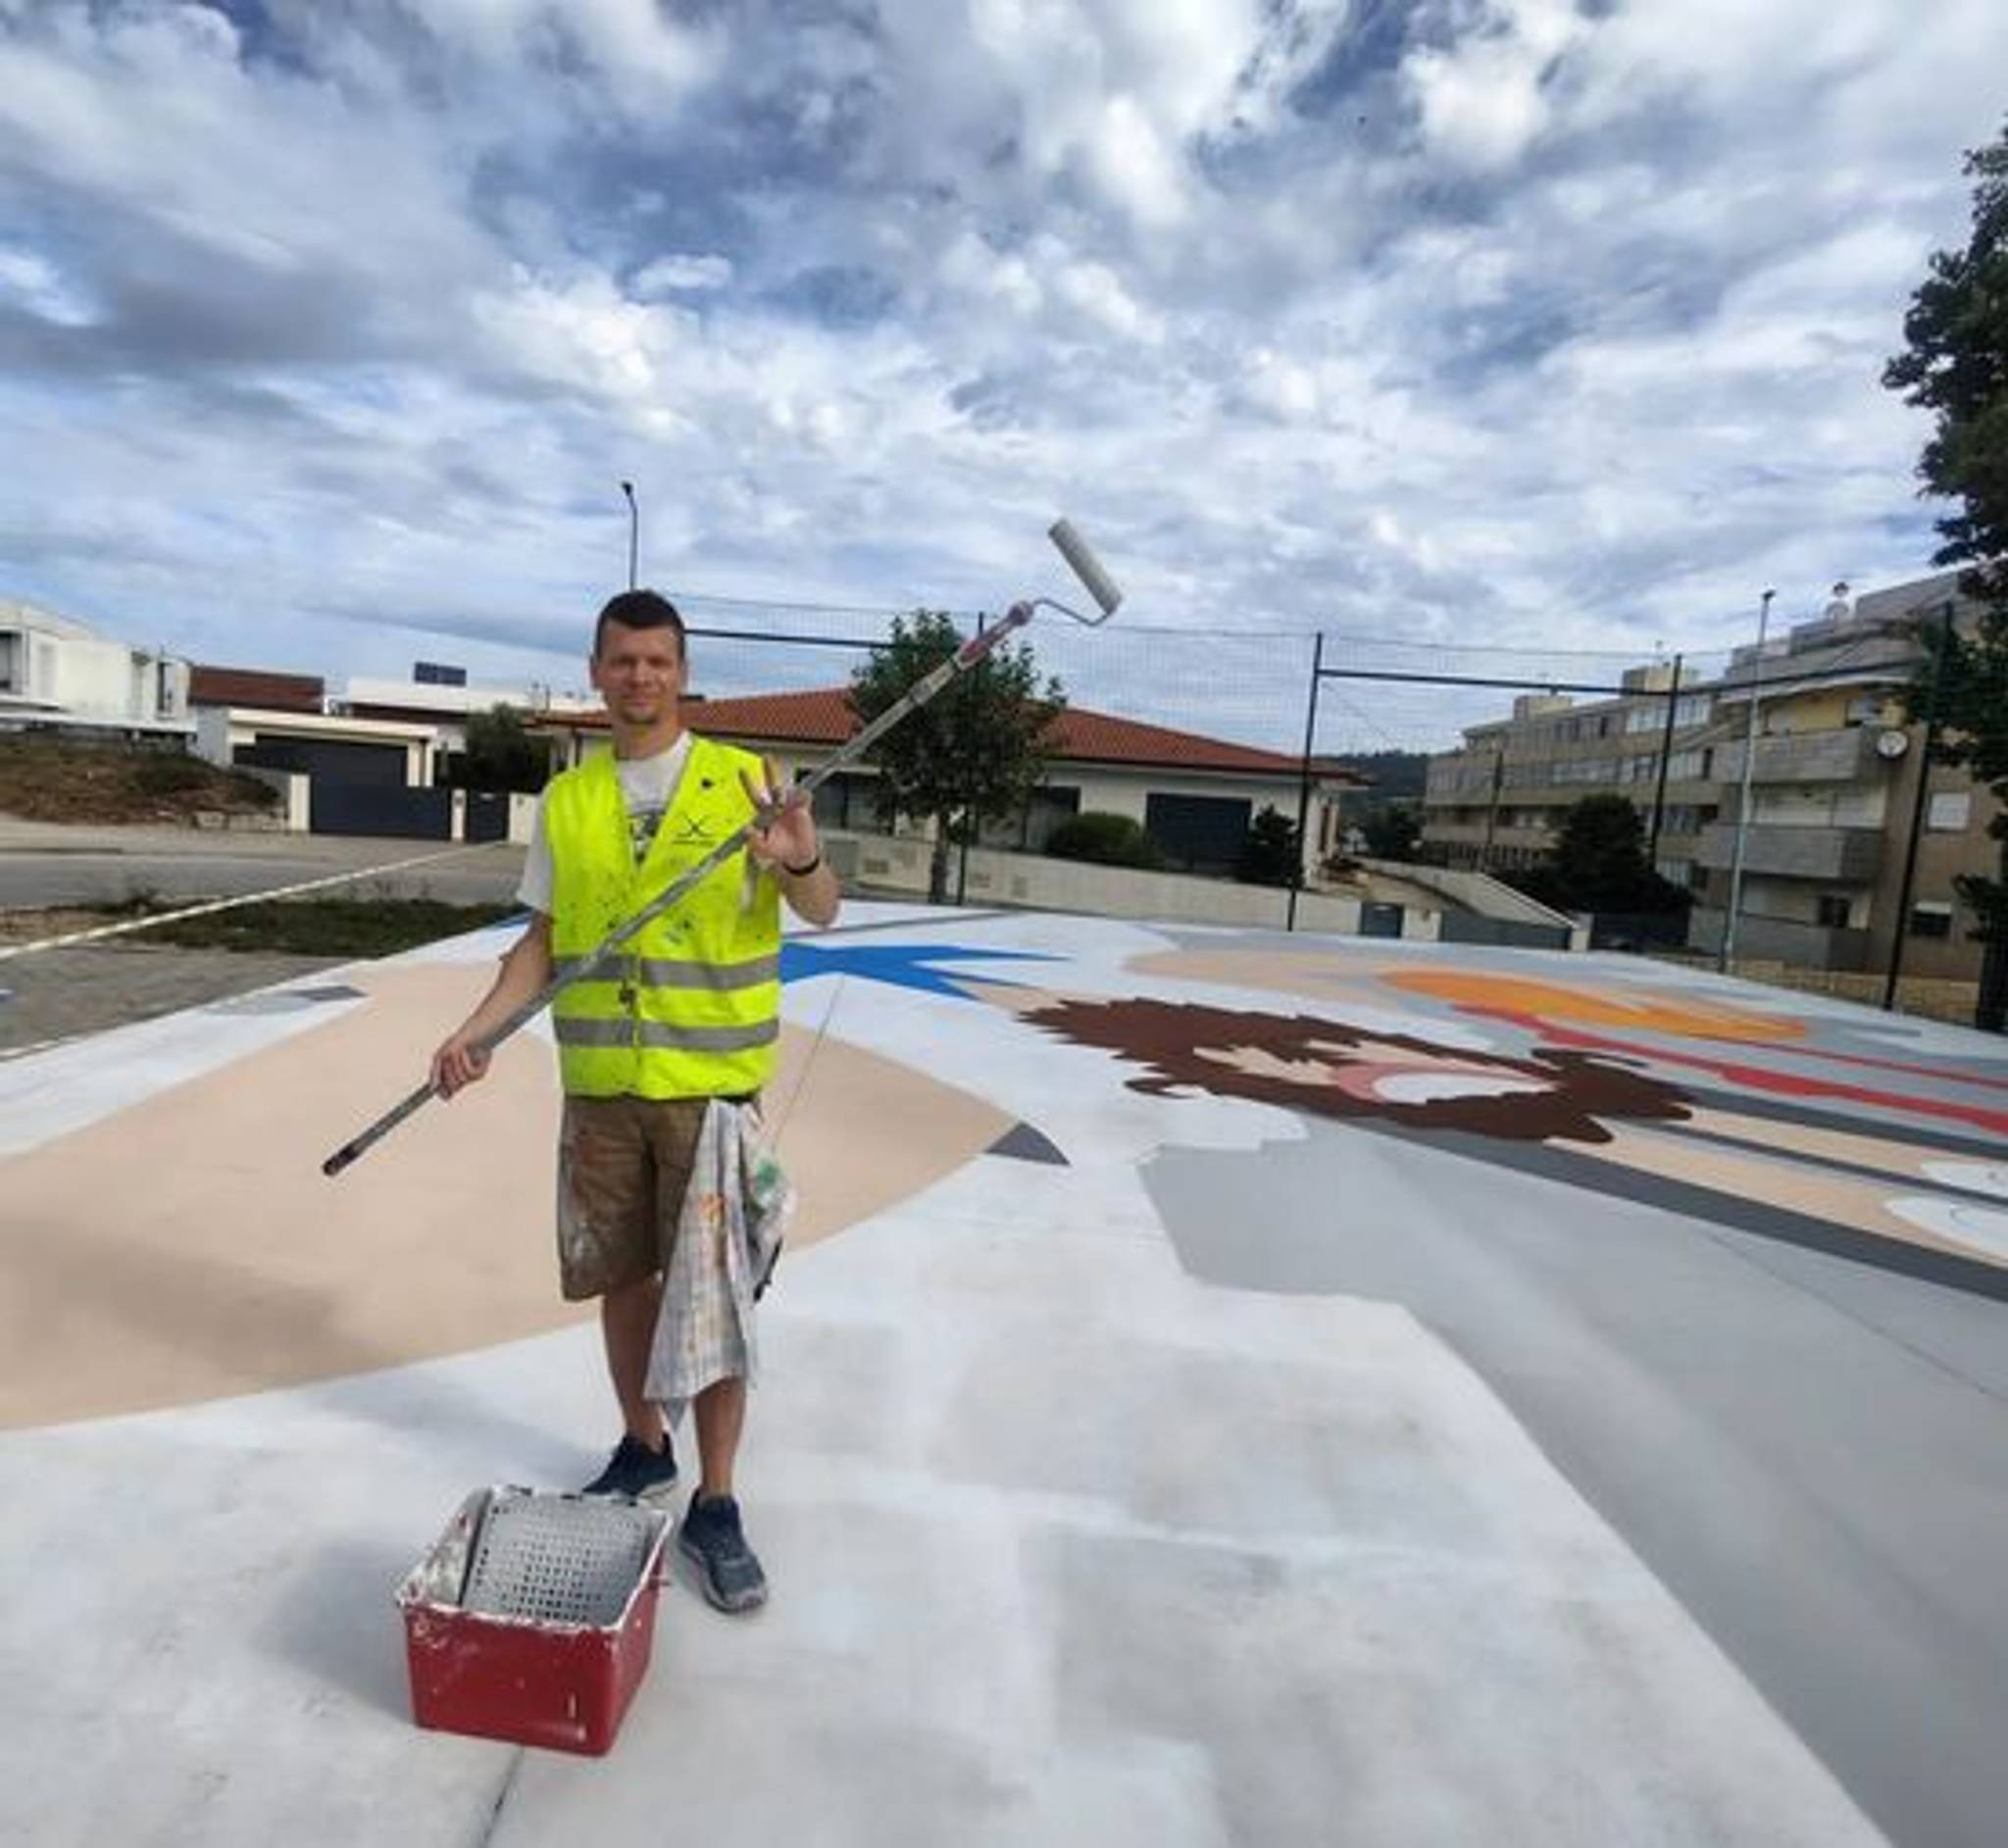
(1195, 795)
(56, 673)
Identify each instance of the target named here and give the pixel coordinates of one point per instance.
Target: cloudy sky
(327, 327)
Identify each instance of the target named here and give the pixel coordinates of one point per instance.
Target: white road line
(228, 904)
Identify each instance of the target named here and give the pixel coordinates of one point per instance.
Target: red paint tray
(532, 1616)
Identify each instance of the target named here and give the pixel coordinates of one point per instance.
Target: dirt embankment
(44, 779)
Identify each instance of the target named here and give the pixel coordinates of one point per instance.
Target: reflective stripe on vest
(656, 1036)
(666, 971)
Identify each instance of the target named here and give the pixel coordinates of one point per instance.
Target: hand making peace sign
(788, 839)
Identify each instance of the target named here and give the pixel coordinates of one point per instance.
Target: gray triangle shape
(1023, 1143)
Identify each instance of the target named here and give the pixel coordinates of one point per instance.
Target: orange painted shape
(1644, 1010)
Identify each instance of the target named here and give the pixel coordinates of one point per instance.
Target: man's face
(639, 673)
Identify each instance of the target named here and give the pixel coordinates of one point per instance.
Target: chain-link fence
(1526, 729)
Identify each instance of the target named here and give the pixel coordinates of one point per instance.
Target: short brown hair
(638, 609)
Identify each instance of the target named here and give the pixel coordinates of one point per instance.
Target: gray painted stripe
(656, 1036)
(666, 971)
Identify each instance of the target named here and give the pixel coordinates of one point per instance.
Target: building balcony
(1810, 757)
(1846, 855)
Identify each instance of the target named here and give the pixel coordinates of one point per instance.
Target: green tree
(501, 754)
(1392, 831)
(1268, 855)
(976, 752)
(1955, 364)
(1598, 863)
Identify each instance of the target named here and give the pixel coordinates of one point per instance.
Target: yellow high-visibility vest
(692, 1007)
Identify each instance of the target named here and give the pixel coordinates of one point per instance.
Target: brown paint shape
(188, 1247)
(1336, 1069)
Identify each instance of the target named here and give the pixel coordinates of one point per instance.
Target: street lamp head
(627, 488)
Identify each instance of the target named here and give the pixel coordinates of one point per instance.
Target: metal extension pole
(591, 967)
(962, 859)
(1902, 922)
(1728, 933)
(1289, 922)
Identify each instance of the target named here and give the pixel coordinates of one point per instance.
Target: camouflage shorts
(623, 1167)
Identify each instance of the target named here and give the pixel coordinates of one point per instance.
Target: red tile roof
(254, 686)
(824, 717)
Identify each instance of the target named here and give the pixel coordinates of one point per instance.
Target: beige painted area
(1905, 1159)
(1325, 972)
(1795, 1186)
(858, 1132)
(190, 1248)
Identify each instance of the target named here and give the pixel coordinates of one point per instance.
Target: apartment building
(1497, 803)
(1833, 791)
(1833, 787)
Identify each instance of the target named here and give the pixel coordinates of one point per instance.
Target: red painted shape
(1758, 1077)
(1897, 1064)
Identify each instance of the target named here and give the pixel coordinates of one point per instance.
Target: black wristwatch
(802, 872)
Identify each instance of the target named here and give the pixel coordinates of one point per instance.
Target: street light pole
(1729, 934)
(633, 531)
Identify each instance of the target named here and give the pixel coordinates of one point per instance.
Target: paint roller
(1099, 586)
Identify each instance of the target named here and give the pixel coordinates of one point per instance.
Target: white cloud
(1098, 292)
(1483, 101)
(39, 287)
(671, 275)
(644, 57)
(1503, 324)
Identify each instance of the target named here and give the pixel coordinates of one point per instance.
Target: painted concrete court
(1222, 1387)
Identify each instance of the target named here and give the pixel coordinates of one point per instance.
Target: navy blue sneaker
(636, 1472)
(713, 1540)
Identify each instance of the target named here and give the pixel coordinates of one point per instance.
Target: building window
(1199, 834)
(1833, 910)
(1865, 709)
(1930, 920)
(1048, 809)
(1949, 813)
(851, 801)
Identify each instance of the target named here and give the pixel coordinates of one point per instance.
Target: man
(693, 1015)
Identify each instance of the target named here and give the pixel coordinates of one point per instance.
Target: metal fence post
(1304, 777)
(1666, 755)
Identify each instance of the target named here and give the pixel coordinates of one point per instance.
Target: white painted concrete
(1067, 1545)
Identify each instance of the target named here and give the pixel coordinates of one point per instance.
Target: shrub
(1109, 840)
(169, 773)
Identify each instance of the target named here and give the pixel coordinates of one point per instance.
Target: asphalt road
(43, 866)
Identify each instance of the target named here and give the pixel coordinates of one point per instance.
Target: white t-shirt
(648, 787)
